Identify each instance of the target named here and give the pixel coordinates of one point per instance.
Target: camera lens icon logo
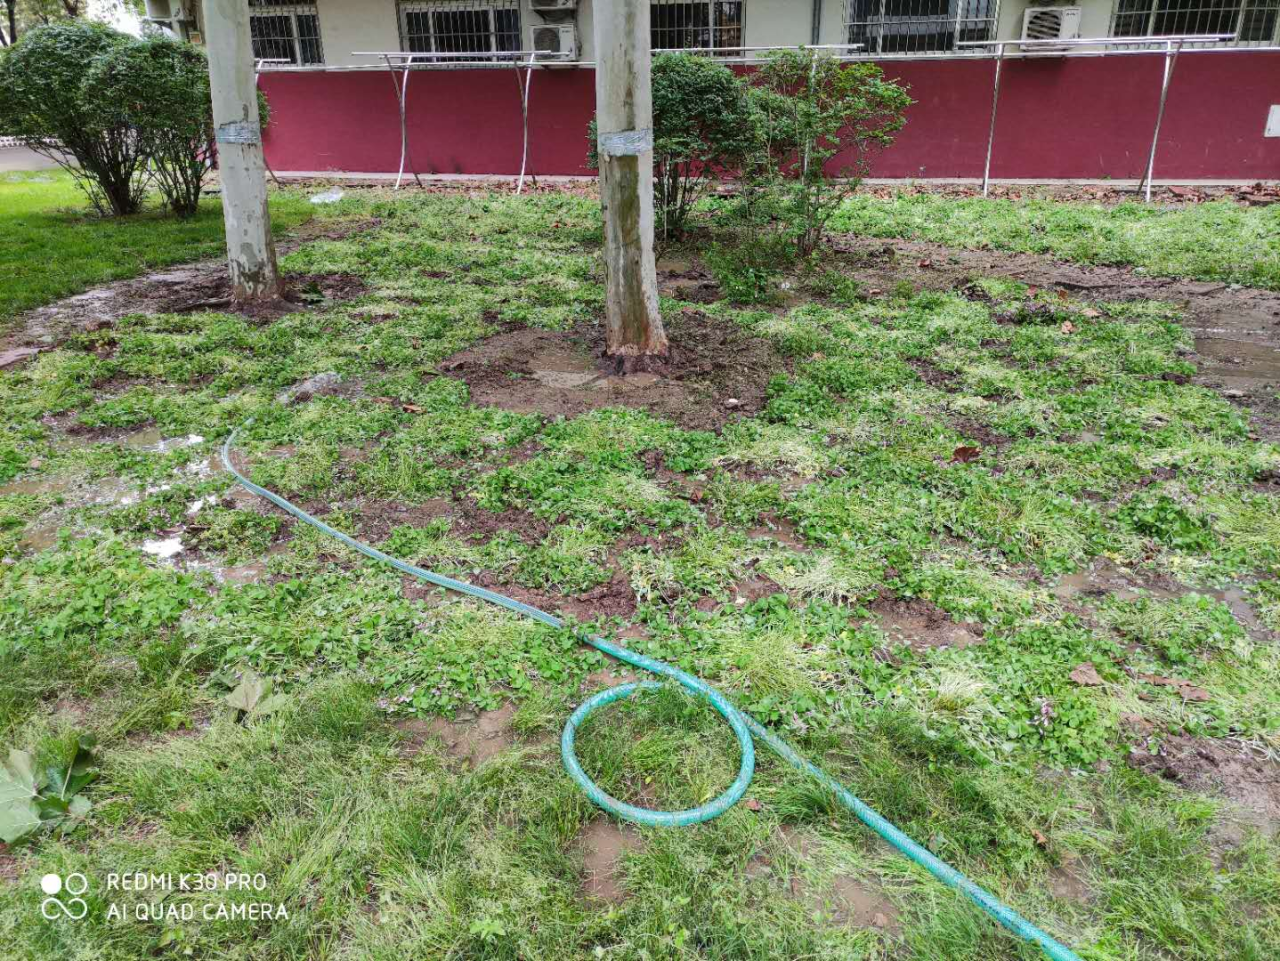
(73, 907)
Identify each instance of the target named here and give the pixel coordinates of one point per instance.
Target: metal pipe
(524, 110)
(816, 33)
(402, 91)
(991, 131)
(1170, 61)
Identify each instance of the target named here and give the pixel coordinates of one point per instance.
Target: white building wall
(350, 25)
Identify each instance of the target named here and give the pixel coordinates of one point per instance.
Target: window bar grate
(1252, 23)
(919, 26)
(695, 24)
(459, 26)
(285, 33)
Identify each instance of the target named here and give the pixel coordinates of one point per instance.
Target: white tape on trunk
(238, 131)
(625, 143)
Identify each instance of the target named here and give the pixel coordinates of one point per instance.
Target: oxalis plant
(821, 121)
(34, 798)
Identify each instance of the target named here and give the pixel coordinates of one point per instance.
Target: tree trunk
(251, 253)
(624, 114)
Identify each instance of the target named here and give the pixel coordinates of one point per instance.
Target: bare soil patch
(1219, 767)
(8, 866)
(921, 624)
(614, 598)
(716, 372)
(472, 740)
(603, 843)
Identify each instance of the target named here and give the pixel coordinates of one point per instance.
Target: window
(443, 26)
(285, 32)
(695, 25)
(919, 26)
(1252, 21)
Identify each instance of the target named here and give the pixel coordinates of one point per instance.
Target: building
(1072, 112)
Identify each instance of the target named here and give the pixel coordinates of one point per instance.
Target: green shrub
(159, 88)
(44, 106)
(811, 107)
(702, 124)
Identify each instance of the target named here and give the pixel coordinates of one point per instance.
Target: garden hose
(745, 728)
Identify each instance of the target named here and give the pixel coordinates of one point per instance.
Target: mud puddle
(1222, 768)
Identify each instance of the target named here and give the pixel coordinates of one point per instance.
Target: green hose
(745, 728)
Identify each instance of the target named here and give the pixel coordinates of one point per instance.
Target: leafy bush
(702, 124)
(159, 88)
(811, 108)
(42, 77)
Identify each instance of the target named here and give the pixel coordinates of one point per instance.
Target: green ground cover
(878, 564)
(53, 245)
(1209, 241)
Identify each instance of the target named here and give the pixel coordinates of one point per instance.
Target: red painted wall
(1079, 117)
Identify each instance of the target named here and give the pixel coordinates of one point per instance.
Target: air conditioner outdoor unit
(1050, 23)
(555, 41)
(552, 6)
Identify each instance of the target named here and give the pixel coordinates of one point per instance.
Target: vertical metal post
(524, 110)
(991, 131)
(816, 32)
(402, 91)
(1171, 52)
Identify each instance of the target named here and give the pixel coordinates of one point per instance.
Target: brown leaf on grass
(412, 408)
(754, 805)
(1091, 312)
(1068, 327)
(1086, 675)
(963, 455)
(1187, 690)
(1040, 838)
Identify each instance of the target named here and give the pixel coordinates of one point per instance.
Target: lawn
(992, 554)
(55, 245)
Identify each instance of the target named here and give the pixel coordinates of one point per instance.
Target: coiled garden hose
(745, 728)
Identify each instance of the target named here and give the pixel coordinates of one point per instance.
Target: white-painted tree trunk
(241, 166)
(624, 117)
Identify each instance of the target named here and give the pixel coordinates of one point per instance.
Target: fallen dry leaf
(1068, 327)
(1040, 838)
(412, 408)
(1091, 312)
(753, 804)
(1086, 675)
(963, 455)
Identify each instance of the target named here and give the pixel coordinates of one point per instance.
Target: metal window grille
(1253, 22)
(450, 26)
(695, 24)
(285, 32)
(919, 26)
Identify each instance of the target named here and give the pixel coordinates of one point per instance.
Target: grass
(55, 245)
(380, 844)
(1210, 241)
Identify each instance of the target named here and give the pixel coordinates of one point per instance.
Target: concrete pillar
(624, 115)
(250, 250)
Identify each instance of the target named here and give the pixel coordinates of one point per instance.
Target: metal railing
(1058, 48)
